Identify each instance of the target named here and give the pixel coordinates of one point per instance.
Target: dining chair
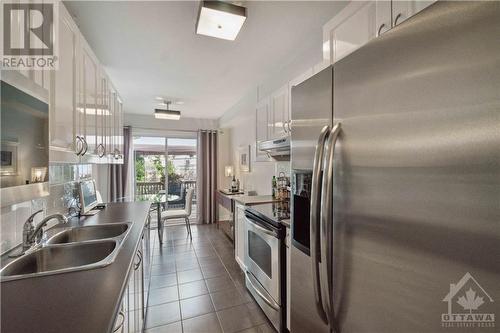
(181, 213)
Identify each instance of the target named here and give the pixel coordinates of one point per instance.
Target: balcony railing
(149, 187)
(178, 189)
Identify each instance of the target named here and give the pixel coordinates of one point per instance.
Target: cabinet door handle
(100, 150)
(397, 18)
(85, 146)
(382, 26)
(117, 154)
(138, 264)
(78, 145)
(122, 315)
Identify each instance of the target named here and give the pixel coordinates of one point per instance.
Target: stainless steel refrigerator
(395, 157)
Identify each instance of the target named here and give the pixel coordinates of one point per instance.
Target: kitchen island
(80, 301)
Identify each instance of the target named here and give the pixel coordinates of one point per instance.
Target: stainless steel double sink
(72, 249)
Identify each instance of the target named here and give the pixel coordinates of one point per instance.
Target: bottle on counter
(233, 185)
(273, 186)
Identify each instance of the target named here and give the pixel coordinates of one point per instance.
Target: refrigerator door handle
(314, 220)
(326, 225)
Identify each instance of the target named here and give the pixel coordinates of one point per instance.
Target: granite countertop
(81, 301)
(254, 199)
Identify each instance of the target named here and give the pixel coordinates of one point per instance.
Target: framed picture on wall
(244, 158)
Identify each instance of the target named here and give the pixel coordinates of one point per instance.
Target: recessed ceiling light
(179, 102)
(220, 19)
(167, 114)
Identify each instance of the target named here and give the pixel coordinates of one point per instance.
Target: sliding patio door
(181, 171)
(166, 164)
(150, 164)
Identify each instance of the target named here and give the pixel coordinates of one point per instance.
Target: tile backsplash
(63, 199)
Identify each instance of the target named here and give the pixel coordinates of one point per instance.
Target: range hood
(279, 149)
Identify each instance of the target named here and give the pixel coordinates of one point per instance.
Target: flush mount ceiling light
(220, 19)
(167, 114)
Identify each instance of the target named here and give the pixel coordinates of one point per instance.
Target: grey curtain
(118, 172)
(207, 176)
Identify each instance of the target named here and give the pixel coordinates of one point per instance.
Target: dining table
(158, 200)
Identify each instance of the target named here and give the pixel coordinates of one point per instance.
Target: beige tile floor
(197, 286)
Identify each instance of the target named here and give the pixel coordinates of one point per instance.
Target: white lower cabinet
(288, 274)
(121, 321)
(239, 235)
(130, 318)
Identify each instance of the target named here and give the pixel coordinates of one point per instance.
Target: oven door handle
(269, 302)
(258, 227)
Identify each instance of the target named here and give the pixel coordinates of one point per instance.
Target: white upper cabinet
(102, 113)
(119, 128)
(90, 70)
(85, 120)
(63, 96)
(262, 129)
(79, 115)
(361, 21)
(402, 10)
(357, 30)
(112, 123)
(279, 113)
(262, 120)
(115, 125)
(383, 17)
(39, 78)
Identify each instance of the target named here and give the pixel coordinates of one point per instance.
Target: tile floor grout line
(210, 238)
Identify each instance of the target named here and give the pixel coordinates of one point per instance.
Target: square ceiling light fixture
(220, 19)
(167, 114)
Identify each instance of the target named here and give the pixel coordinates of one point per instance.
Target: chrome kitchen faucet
(32, 234)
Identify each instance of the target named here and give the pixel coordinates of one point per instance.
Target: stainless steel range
(265, 258)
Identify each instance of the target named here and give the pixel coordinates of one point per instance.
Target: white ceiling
(150, 49)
